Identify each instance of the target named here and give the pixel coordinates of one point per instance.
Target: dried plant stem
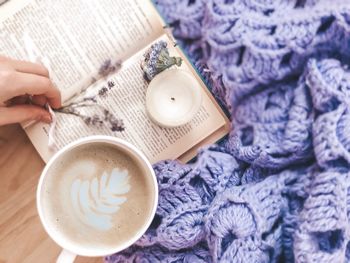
(71, 112)
(88, 98)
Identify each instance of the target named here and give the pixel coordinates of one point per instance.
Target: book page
(76, 36)
(127, 101)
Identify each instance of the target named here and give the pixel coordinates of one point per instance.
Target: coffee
(98, 196)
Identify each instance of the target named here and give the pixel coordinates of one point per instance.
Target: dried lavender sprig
(88, 98)
(115, 124)
(87, 90)
(108, 119)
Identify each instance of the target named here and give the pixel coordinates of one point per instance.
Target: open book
(77, 36)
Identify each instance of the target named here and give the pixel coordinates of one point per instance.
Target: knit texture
(278, 188)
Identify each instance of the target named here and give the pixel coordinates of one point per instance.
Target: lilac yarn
(277, 189)
(322, 233)
(198, 254)
(272, 128)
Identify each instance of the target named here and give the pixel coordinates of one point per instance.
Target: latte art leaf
(95, 201)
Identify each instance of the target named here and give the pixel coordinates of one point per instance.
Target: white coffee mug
(68, 253)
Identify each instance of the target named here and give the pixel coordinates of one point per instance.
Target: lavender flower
(109, 67)
(115, 123)
(88, 98)
(103, 91)
(157, 59)
(103, 118)
(110, 84)
(94, 120)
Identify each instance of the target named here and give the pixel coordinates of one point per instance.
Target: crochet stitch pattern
(278, 188)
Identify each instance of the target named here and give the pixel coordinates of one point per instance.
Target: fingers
(21, 78)
(16, 84)
(22, 113)
(39, 100)
(18, 100)
(25, 66)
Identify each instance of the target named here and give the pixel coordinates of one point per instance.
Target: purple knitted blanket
(278, 189)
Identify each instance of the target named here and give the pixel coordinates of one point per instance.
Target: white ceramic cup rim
(97, 139)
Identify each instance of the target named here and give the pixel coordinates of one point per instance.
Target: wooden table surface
(22, 238)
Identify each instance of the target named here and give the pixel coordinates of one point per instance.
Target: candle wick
(172, 98)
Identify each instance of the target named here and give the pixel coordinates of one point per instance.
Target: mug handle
(66, 257)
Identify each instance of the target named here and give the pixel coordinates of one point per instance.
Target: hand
(25, 88)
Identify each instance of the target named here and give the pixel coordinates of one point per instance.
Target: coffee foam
(97, 196)
(96, 201)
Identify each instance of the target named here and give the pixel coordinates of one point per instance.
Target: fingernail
(46, 118)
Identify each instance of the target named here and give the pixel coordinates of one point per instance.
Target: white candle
(173, 98)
